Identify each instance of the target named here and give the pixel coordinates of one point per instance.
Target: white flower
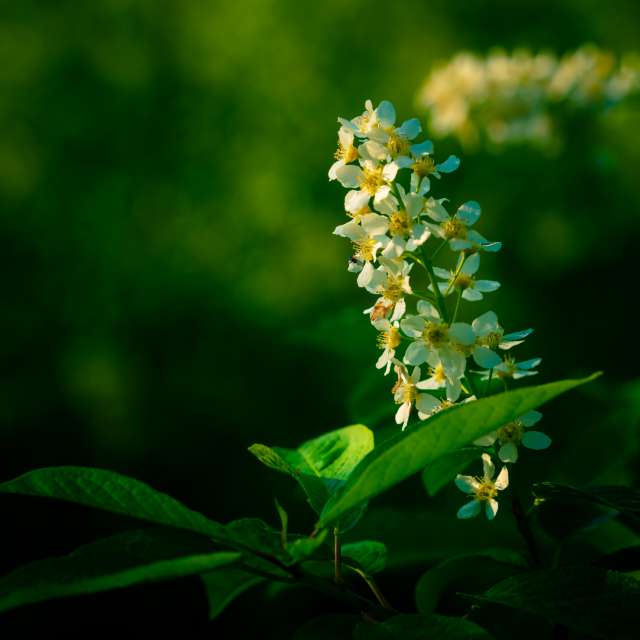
(443, 377)
(389, 340)
(368, 238)
(372, 120)
(406, 230)
(346, 152)
(431, 334)
(509, 368)
(405, 393)
(489, 336)
(391, 281)
(513, 434)
(463, 280)
(369, 179)
(483, 489)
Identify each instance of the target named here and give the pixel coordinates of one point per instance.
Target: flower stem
(375, 589)
(442, 307)
(337, 556)
(455, 311)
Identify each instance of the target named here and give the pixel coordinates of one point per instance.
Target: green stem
(337, 557)
(437, 251)
(455, 311)
(442, 308)
(375, 589)
(488, 387)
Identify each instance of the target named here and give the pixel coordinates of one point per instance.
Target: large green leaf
(322, 465)
(225, 585)
(119, 561)
(441, 471)
(417, 627)
(593, 601)
(111, 491)
(451, 429)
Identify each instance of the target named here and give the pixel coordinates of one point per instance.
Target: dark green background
(171, 290)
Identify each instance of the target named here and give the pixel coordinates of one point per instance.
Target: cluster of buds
(507, 99)
(396, 232)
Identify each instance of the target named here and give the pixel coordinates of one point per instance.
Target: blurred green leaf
(370, 555)
(593, 601)
(113, 492)
(120, 561)
(225, 585)
(417, 627)
(441, 471)
(424, 442)
(470, 573)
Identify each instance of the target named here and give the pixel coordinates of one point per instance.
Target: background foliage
(172, 292)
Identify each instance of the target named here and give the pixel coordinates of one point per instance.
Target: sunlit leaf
(422, 443)
(119, 561)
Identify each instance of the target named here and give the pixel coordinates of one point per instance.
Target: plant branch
(524, 529)
(442, 307)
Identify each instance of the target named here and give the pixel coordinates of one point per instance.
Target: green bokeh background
(171, 289)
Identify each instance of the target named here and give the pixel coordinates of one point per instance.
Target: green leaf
(470, 573)
(441, 471)
(417, 627)
(119, 561)
(112, 492)
(451, 429)
(370, 555)
(593, 601)
(321, 465)
(225, 585)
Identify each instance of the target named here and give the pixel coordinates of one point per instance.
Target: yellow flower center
(372, 180)
(424, 166)
(438, 374)
(398, 145)
(463, 281)
(393, 289)
(408, 393)
(509, 368)
(454, 229)
(511, 432)
(435, 334)
(400, 223)
(486, 490)
(347, 153)
(389, 339)
(364, 248)
(491, 340)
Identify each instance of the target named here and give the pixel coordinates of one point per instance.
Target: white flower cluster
(509, 99)
(391, 227)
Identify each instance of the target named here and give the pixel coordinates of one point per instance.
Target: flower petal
(536, 440)
(449, 165)
(508, 452)
(469, 510)
(468, 213)
(491, 509)
(488, 467)
(502, 481)
(467, 484)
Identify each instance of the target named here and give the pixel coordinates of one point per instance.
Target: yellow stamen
(394, 288)
(424, 166)
(454, 229)
(372, 180)
(398, 145)
(511, 432)
(389, 339)
(435, 334)
(486, 490)
(363, 249)
(400, 223)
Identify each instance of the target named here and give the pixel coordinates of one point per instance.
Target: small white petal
(449, 165)
(468, 213)
(485, 324)
(487, 286)
(386, 113)
(425, 308)
(491, 509)
(354, 201)
(529, 364)
(536, 440)
(349, 175)
(486, 441)
(416, 353)
(409, 129)
(471, 295)
(426, 404)
(530, 418)
(366, 275)
(402, 414)
(351, 230)
(502, 481)
(422, 148)
(471, 264)
(487, 466)
(486, 358)
(467, 484)
(375, 224)
(508, 452)
(390, 171)
(469, 510)
(462, 333)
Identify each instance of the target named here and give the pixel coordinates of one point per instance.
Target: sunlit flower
(462, 279)
(483, 490)
(490, 336)
(510, 369)
(371, 120)
(391, 281)
(430, 334)
(346, 152)
(406, 231)
(515, 433)
(389, 339)
(442, 377)
(367, 238)
(405, 393)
